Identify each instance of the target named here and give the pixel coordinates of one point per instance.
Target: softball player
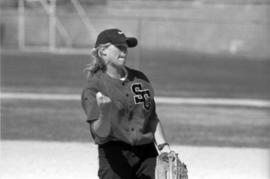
(120, 108)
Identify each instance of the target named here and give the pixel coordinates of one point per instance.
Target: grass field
(171, 73)
(186, 125)
(185, 76)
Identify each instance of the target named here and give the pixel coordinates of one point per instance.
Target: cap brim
(131, 42)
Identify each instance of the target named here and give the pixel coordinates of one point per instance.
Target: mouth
(121, 57)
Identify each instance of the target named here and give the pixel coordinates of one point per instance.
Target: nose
(123, 53)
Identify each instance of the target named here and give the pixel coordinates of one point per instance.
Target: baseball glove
(169, 166)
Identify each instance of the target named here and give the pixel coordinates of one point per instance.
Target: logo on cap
(120, 32)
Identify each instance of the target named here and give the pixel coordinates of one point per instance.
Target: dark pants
(118, 160)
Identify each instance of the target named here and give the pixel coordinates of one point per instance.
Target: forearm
(102, 126)
(160, 139)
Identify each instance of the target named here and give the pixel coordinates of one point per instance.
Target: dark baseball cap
(116, 37)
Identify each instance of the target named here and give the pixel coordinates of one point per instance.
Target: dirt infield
(53, 160)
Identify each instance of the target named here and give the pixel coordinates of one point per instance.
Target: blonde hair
(96, 62)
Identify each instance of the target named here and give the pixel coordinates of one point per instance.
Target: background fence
(215, 27)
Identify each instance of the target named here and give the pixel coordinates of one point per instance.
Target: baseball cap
(116, 37)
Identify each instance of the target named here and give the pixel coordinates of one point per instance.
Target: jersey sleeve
(89, 104)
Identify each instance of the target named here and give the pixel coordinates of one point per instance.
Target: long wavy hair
(96, 62)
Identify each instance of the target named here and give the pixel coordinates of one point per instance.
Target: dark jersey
(133, 114)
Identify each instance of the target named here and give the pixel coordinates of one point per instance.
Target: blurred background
(208, 61)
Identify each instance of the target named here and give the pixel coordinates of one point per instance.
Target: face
(115, 55)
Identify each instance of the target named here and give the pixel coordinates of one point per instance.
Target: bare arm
(160, 137)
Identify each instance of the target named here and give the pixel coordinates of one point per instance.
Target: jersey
(133, 114)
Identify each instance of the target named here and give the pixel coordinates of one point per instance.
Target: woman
(120, 108)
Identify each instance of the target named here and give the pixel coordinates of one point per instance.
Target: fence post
(52, 26)
(21, 22)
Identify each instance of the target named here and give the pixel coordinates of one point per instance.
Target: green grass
(212, 125)
(172, 74)
(186, 125)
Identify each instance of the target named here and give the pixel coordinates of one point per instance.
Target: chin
(122, 62)
(119, 64)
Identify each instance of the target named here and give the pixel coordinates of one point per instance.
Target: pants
(118, 160)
